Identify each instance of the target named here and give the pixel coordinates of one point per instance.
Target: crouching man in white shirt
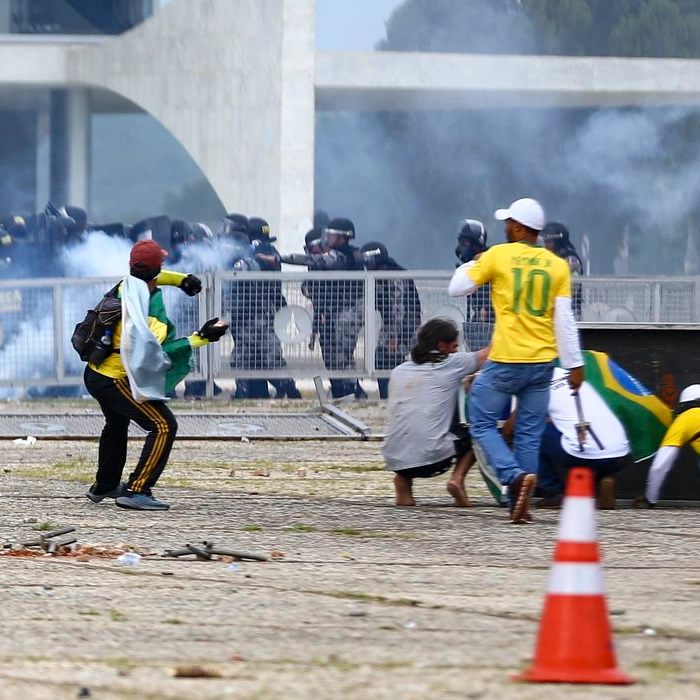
(603, 446)
(420, 442)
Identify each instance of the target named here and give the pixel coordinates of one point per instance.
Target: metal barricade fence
(37, 318)
(297, 325)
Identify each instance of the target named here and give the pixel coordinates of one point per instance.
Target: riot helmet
(259, 230)
(78, 214)
(201, 233)
(373, 254)
(338, 229)
(15, 226)
(312, 240)
(236, 226)
(471, 239)
(180, 232)
(555, 236)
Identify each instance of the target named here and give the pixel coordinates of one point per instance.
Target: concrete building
(238, 83)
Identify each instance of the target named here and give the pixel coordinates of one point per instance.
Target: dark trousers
(120, 408)
(555, 463)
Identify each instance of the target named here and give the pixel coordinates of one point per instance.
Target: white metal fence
(344, 324)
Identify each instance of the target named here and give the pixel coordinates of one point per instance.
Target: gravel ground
(362, 600)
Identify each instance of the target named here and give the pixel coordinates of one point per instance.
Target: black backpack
(92, 337)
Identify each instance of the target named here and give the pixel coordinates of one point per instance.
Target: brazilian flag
(178, 350)
(644, 416)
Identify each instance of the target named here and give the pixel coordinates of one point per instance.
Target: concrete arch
(237, 93)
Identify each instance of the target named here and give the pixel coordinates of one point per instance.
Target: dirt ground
(363, 599)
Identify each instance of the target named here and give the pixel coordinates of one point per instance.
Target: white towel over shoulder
(143, 357)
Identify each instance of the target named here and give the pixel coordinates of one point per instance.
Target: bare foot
(404, 490)
(459, 493)
(405, 500)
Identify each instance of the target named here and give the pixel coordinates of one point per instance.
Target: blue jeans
(555, 463)
(490, 395)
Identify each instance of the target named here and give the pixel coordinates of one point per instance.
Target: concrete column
(5, 16)
(78, 136)
(43, 156)
(297, 123)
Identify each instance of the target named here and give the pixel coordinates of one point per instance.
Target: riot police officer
(241, 302)
(471, 241)
(555, 237)
(267, 300)
(341, 302)
(398, 303)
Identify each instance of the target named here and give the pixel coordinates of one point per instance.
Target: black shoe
(140, 501)
(519, 492)
(96, 493)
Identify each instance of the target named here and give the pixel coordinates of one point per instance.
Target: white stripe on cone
(577, 520)
(576, 579)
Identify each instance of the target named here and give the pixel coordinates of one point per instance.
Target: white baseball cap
(690, 393)
(526, 211)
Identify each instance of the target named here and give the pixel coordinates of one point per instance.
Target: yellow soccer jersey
(683, 429)
(525, 279)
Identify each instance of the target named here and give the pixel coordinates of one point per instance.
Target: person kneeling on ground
(602, 446)
(685, 430)
(422, 403)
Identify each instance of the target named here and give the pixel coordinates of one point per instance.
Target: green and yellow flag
(644, 416)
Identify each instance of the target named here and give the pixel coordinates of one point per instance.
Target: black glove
(211, 331)
(191, 285)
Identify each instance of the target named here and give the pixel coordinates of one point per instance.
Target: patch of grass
(348, 531)
(353, 532)
(661, 666)
(251, 528)
(45, 526)
(46, 473)
(80, 463)
(89, 612)
(117, 616)
(173, 621)
(301, 527)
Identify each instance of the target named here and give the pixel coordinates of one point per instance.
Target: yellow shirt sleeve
(196, 341)
(169, 278)
(481, 271)
(564, 287)
(683, 429)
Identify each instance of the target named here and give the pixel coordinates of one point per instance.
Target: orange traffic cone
(575, 641)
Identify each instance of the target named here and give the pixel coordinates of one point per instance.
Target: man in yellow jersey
(531, 297)
(133, 382)
(685, 430)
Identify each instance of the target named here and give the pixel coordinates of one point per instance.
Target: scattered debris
(29, 441)
(206, 551)
(129, 559)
